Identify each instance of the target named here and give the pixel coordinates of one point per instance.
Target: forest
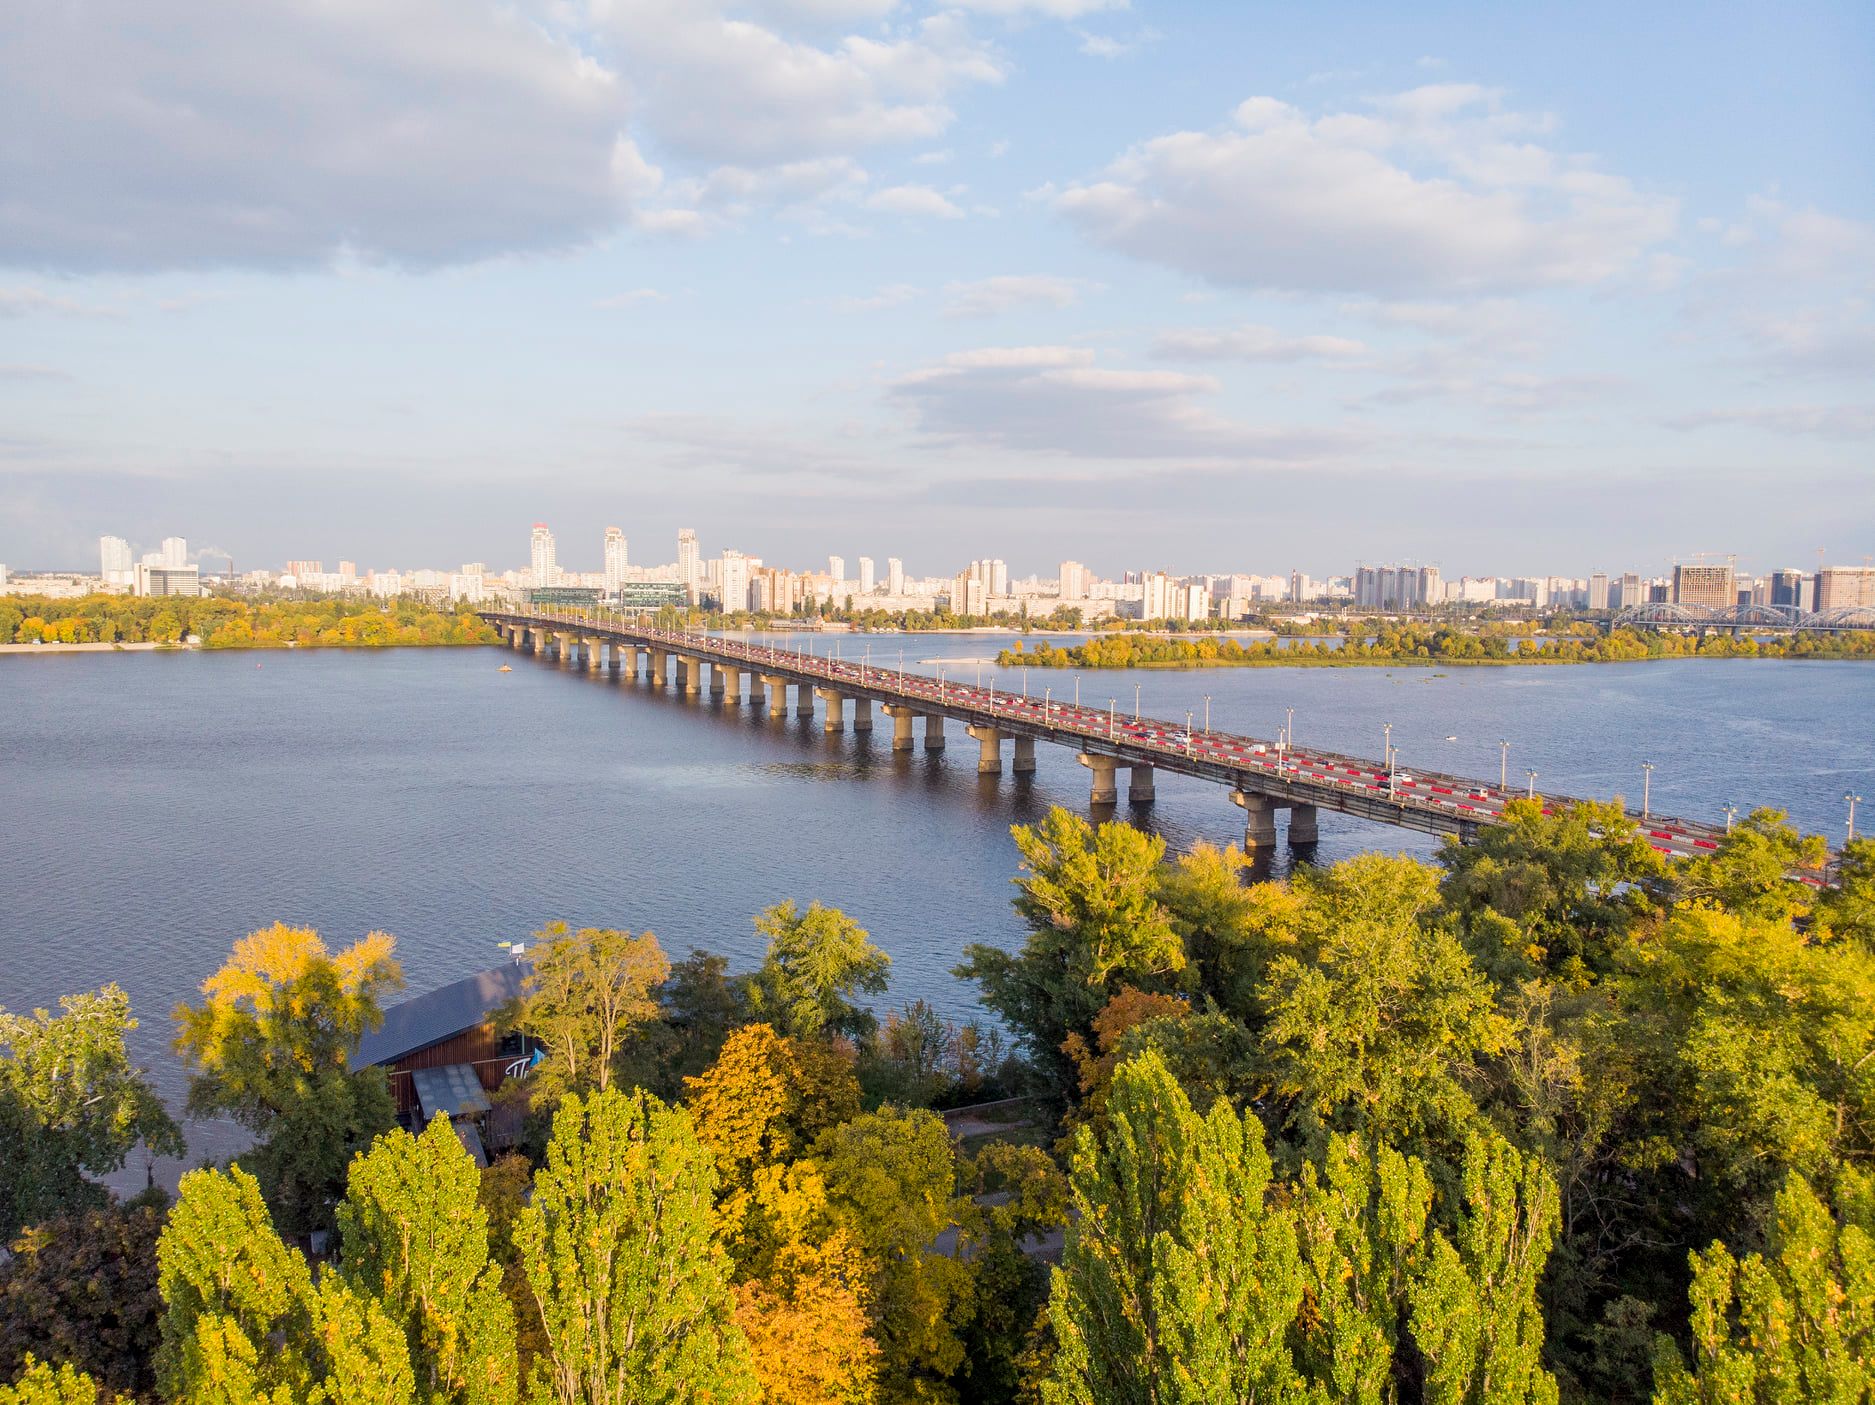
(1547, 1119)
(1395, 642)
(239, 622)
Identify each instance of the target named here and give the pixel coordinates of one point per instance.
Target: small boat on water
(506, 669)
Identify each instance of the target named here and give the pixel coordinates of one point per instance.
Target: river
(156, 806)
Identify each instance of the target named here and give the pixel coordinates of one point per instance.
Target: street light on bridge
(1048, 694)
(1853, 800)
(1136, 702)
(1111, 703)
(1731, 813)
(1207, 714)
(1503, 766)
(1188, 731)
(1386, 749)
(1532, 790)
(1647, 780)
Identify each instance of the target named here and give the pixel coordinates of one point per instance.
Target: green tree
(891, 1181)
(82, 1289)
(1094, 925)
(1848, 909)
(701, 1006)
(72, 1106)
(587, 993)
(1378, 1026)
(1551, 891)
(1749, 873)
(42, 1384)
(633, 1290)
(270, 1045)
(1794, 1324)
(817, 961)
(243, 1320)
(414, 1236)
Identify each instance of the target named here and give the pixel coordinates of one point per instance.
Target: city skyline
(1148, 281)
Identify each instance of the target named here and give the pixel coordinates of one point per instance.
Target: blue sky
(1203, 287)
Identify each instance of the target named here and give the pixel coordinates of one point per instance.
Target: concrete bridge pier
(777, 689)
(933, 732)
(836, 708)
(595, 654)
(1139, 785)
(862, 715)
(567, 644)
(1259, 820)
(659, 671)
(1023, 762)
(726, 682)
(690, 672)
(901, 726)
(718, 687)
(517, 637)
(990, 758)
(1104, 791)
(1303, 832)
(803, 700)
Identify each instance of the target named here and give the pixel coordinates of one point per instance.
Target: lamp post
(1647, 781)
(1731, 813)
(1853, 800)
(865, 662)
(1025, 682)
(1386, 749)
(1077, 690)
(1188, 731)
(1503, 766)
(1136, 702)
(1207, 714)
(1048, 694)
(1110, 706)
(1531, 793)
(1289, 726)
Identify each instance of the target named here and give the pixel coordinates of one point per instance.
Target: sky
(1533, 289)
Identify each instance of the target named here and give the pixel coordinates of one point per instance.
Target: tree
(82, 1289)
(891, 1185)
(270, 1045)
(1796, 1323)
(1175, 1283)
(1094, 925)
(817, 961)
(762, 1104)
(413, 1235)
(42, 1384)
(585, 995)
(72, 1105)
(1377, 1026)
(633, 1290)
(1230, 931)
(1749, 873)
(809, 1341)
(1848, 910)
(701, 1005)
(1019, 1195)
(243, 1320)
(1551, 891)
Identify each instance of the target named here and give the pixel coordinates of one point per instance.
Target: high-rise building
(1598, 590)
(616, 559)
(1840, 586)
(894, 576)
(114, 561)
(299, 570)
(175, 552)
(689, 563)
(1073, 581)
(1787, 588)
(999, 578)
(1702, 584)
(348, 572)
(866, 581)
(732, 582)
(544, 569)
(836, 568)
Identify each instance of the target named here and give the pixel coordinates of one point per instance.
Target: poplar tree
(42, 1384)
(1796, 1323)
(414, 1236)
(620, 1254)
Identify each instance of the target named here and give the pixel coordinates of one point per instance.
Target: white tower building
(894, 576)
(689, 563)
(616, 558)
(175, 552)
(836, 569)
(865, 575)
(544, 569)
(114, 561)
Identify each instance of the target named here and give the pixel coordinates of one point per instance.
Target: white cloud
(916, 200)
(989, 296)
(24, 302)
(1437, 189)
(892, 295)
(1822, 421)
(1055, 400)
(718, 89)
(1049, 9)
(172, 133)
(1252, 343)
(631, 299)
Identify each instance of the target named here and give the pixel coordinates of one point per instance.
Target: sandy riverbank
(86, 648)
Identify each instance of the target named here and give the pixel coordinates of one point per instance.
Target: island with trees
(1392, 642)
(1544, 1120)
(240, 622)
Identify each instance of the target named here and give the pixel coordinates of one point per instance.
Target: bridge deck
(1427, 801)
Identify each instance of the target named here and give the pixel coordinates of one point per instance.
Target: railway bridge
(1263, 776)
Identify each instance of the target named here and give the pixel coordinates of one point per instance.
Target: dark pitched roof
(442, 1014)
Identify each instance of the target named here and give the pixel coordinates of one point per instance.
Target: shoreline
(1405, 662)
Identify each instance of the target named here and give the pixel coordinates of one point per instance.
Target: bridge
(1263, 776)
(1674, 615)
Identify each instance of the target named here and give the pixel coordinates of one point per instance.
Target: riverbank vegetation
(1390, 642)
(1546, 1120)
(239, 622)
